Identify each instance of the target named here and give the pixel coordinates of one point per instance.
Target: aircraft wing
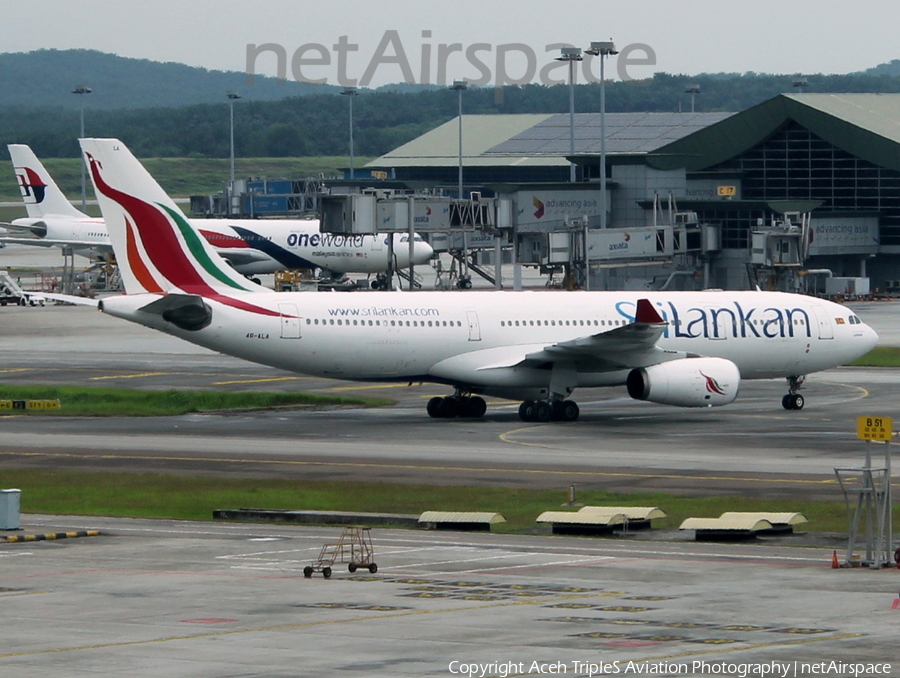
(47, 242)
(237, 257)
(621, 348)
(632, 345)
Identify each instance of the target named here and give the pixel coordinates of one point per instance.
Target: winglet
(646, 313)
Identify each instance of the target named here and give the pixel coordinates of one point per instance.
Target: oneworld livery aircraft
(688, 349)
(251, 246)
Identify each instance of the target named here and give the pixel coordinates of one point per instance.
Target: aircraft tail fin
(157, 249)
(39, 192)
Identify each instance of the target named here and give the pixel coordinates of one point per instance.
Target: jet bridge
(457, 227)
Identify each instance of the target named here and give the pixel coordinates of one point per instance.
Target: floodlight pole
(351, 92)
(693, 90)
(81, 90)
(602, 49)
(460, 86)
(571, 54)
(232, 96)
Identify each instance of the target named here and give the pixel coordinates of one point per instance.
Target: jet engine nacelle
(687, 382)
(38, 227)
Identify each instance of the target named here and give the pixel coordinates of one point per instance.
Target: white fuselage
(474, 338)
(251, 246)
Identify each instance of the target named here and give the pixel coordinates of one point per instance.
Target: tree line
(318, 124)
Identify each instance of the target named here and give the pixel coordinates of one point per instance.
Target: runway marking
(258, 381)
(505, 439)
(542, 602)
(420, 467)
(16, 369)
(284, 627)
(130, 376)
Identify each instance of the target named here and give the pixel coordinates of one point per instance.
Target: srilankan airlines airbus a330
(687, 349)
(251, 246)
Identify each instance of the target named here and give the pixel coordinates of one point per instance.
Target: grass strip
(86, 401)
(881, 356)
(195, 498)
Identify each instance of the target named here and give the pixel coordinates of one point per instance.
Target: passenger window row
(561, 323)
(384, 323)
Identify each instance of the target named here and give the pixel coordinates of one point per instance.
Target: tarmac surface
(169, 598)
(166, 598)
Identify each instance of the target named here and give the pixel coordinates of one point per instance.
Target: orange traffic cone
(834, 561)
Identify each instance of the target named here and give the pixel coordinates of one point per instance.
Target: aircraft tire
(448, 409)
(568, 410)
(524, 410)
(434, 407)
(473, 407)
(542, 412)
(793, 401)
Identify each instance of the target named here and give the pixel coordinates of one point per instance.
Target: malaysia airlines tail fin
(40, 193)
(157, 249)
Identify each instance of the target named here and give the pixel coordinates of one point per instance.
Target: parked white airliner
(251, 246)
(680, 348)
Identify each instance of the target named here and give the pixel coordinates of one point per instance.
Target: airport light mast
(351, 92)
(693, 90)
(232, 97)
(571, 54)
(602, 49)
(81, 90)
(460, 86)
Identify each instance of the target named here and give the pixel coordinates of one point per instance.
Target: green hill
(47, 77)
(173, 110)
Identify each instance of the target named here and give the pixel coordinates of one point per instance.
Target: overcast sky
(687, 36)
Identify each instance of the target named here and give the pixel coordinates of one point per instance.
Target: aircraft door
(824, 322)
(290, 321)
(474, 327)
(718, 323)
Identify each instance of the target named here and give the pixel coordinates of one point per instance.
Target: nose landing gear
(793, 400)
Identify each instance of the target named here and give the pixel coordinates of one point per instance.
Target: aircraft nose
(871, 338)
(422, 252)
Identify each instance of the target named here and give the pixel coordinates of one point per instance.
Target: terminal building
(799, 193)
(800, 184)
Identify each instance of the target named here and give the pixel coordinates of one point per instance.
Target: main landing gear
(457, 405)
(793, 400)
(546, 410)
(474, 407)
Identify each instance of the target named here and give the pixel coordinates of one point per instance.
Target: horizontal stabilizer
(69, 299)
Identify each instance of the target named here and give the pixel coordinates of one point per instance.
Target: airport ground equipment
(867, 494)
(470, 521)
(601, 519)
(354, 548)
(12, 293)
